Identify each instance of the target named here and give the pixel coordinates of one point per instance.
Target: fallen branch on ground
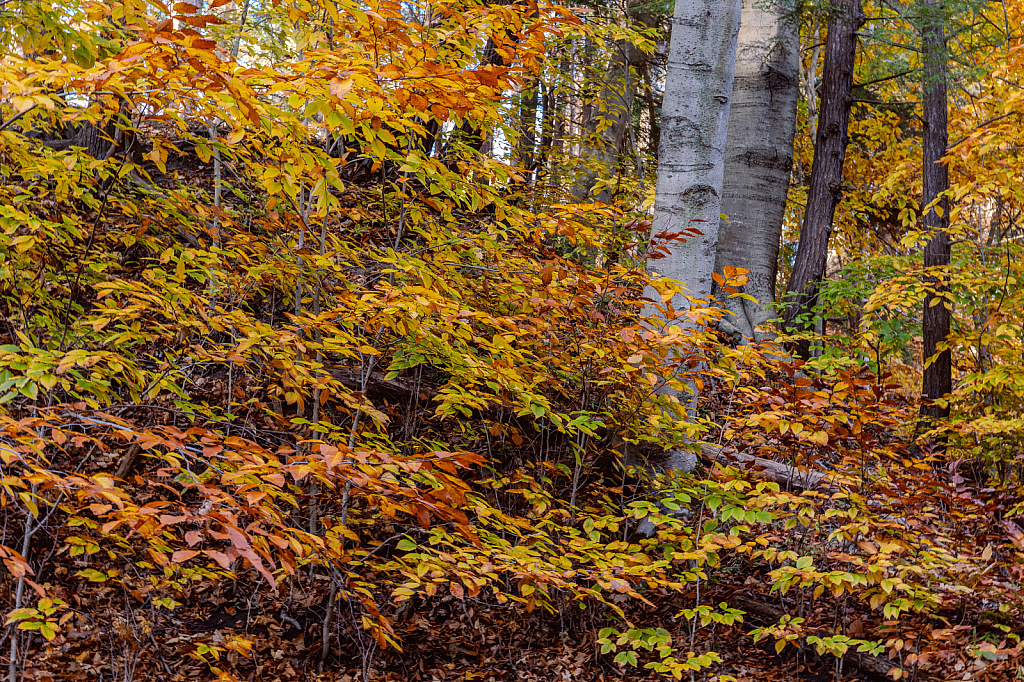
(787, 476)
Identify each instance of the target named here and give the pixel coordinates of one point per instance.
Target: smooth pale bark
(691, 159)
(826, 185)
(938, 373)
(759, 158)
(694, 126)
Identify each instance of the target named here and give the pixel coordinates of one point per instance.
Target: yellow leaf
(22, 104)
(340, 88)
(235, 136)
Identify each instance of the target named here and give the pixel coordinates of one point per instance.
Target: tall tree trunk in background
(694, 125)
(547, 131)
(759, 156)
(605, 128)
(528, 100)
(560, 125)
(653, 101)
(938, 375)
(470, 133)
(825, 189)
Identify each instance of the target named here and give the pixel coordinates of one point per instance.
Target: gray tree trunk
(759, 157)
(694, 126)
(938, 372)
(691, 159)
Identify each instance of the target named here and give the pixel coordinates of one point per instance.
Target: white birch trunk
(694, 125)
(691, 158)
(759, 157)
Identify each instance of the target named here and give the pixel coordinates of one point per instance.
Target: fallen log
(875, 667)
(787, 476)
(379, 385)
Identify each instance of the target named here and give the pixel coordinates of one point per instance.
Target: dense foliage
(297, 378)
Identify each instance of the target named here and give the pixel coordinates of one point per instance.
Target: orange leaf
(340, 88)
(223, 559)
(241, 543)
(183, 555)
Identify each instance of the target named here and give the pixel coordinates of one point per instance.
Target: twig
(977, 128)
(14, 118)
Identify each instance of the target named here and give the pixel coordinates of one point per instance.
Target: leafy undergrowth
(287, 393)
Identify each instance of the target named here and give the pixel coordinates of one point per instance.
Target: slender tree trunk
(694, 125)
(547, 130)
(469, 133)
(652, 98)
(759, 156)
(938, 376)
(827, 171)
(528, 101)
(586, 91)
(810, 75)
(605, 129)
(241, 27)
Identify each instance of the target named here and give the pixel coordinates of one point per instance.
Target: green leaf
(626, 658)
(92, 575)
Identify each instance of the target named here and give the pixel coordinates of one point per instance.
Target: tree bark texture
(825, 189)
(691, 157)
(759, 156)
(938, 376)
(694, 124)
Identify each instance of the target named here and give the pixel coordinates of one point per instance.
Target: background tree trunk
(825, 188)
(470, 133)
(527, 146)
(759, 156)
(605, 129)
(938, 376)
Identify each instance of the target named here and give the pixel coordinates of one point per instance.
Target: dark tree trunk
(547, 130)
(938, 375)
(99, 142)
(528, 123)
(827, 171)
